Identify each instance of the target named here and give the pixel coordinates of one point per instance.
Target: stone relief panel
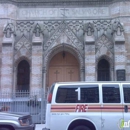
(50, 27)
(22, 48)
(24, 28)
(23, 42)
(70, 33)
(103, 27)
(104, 47)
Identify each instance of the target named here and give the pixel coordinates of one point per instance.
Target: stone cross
(56, 72)
(71, 73)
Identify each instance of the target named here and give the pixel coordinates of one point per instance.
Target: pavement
(39, 126)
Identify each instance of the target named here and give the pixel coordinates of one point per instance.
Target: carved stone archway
(16, 63)
(71, 50)
(110, 62)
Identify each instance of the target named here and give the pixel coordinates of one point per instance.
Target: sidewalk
(39, 126)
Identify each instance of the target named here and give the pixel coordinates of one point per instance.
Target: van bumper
(45, 129)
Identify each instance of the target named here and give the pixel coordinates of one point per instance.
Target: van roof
(82, 82)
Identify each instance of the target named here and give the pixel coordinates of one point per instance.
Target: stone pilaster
(36, 73)
(7, 64)
(120, 52)
(89, 58)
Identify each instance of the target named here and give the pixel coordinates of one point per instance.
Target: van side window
(69, 94)
(126, 90)
(111, 93)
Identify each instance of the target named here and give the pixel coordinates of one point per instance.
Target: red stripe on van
(91, 108)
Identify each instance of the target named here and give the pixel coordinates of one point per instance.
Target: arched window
(103, 70)
(23, 76)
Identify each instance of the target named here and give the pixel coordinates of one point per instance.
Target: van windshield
(78, 94)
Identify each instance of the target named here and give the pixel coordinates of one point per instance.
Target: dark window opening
(126, 90)
(103, 70)
(23, 76)
(69, 94)
(111, 93)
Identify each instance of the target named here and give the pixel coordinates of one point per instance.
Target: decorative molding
(76, 25)
(104, 47)
(51, 26)
(24, 26)
(67, 48)
(74, 39)
(59, 2)
(102, 25)
(89, 29)
(8, 30)
(89, 33)
(37, 30)
(118, 28)
(64, 29)
(118, 31)
(110, 60)
(23, 42)
(19, 59)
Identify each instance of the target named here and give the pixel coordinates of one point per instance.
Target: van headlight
(24, 122)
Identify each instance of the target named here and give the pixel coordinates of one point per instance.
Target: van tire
(81, 127)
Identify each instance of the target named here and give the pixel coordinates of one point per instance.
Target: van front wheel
(82, 127)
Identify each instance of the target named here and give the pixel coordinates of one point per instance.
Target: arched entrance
(103, 70)
(23, 76)
(63, 67)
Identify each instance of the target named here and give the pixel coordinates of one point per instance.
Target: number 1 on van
(79, 93)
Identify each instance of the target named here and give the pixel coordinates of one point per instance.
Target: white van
(88, 106)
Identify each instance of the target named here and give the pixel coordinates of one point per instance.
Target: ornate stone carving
(23, 42)
(37, 30)
(63, 28)
(9, 29)
(51, 26)
(76, 25)
(57, 49)
(75, 41)
(102, 25)
(118, 28)
(89, 29)
(52, 39)
(103, 46)
(24, 26)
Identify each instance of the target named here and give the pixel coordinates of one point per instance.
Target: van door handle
(126, 108)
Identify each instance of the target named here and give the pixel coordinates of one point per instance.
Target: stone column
(44, 81)
(36, 73)
(7, 61)
(82, 72)
(89, 53)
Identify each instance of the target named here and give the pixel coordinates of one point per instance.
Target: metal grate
(33, 103)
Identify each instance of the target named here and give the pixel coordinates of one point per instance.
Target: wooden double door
(63, 67)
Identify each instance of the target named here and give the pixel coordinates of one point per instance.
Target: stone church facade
(47, 41)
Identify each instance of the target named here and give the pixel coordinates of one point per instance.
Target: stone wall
(63, 25)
